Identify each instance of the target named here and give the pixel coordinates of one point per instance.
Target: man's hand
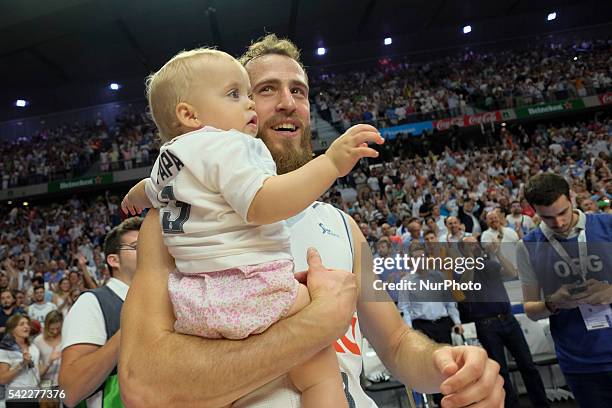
(596, 293)
(82, 260)
(563, 299)
(470, 378)
(332, 287)
(346, 150)
(27, 358)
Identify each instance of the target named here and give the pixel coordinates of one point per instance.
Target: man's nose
(286, 101)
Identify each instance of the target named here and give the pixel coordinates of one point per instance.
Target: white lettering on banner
(545, 109)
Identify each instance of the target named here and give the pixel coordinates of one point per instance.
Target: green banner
(570, 104)
(105, 178)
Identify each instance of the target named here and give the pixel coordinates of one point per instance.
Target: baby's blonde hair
(171, 85)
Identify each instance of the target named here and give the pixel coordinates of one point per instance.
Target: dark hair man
(567, 259)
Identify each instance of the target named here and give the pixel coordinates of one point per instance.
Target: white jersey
(204, 181)
(327, 229)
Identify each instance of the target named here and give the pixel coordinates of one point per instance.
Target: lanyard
(582, 252)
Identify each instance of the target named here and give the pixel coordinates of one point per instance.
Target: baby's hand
(133, 203)
(346, 150)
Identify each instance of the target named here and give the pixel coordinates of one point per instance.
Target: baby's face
(222, 98)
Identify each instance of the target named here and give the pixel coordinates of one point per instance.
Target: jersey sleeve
(152, 188)
(230, 163)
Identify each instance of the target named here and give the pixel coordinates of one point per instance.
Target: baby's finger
(366, 152)
(362, 127)
(365, 137)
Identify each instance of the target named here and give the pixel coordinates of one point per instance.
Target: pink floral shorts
(233, 303)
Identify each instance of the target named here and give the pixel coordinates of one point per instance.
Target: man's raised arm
(158, 367)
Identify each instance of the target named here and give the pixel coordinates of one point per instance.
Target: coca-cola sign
(445, 124)
(606, 98)
(487, 117)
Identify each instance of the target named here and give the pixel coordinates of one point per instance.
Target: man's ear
(187, 116)
(113, 260)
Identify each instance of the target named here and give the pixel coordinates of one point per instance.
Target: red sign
(468, 120)
(445, 124)
(481, 118)
(606, 98)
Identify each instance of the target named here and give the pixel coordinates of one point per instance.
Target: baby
(222, 208)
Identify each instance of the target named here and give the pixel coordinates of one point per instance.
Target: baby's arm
(286, 195)
(136, 199)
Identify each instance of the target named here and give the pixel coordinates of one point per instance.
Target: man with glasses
(90, 335)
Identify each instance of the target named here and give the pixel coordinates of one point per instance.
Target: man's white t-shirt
(204, 181)
(84, 324)
(509, 240)
(38, 311)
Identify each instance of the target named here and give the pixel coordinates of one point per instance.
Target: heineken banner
(568, 105)
(105, 178)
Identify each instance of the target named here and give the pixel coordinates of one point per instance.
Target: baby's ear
(187, 116)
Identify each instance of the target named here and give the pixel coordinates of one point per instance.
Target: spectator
(505, 236)
(39, 309)
(430, 311)
(20, 364)
(90, 335)
(455, 230)
(49, 345)
(61, 295)
(468, 215)
(9, 308)
(571, 289)
(496, 326)
(521, 223)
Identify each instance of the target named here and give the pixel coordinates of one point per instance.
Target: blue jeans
(494, 334)
(592, 390)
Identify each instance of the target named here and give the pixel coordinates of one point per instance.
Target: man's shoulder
(604, 218)
(86, 301)
(486, 234)
(535, 235)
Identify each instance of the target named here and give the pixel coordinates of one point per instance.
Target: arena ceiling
(57, 53)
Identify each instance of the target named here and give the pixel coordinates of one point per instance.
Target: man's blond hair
(271, 44)
(169, 86)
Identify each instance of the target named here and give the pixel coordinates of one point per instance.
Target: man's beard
(289, 157)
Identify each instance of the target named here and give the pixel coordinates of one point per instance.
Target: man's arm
(464, 374)
(87, 279)
(85, 367)
(159, 367)
(507, 268)
(535, 308)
